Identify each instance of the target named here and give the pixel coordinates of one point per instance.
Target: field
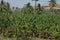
(24, 26)
(29, 22)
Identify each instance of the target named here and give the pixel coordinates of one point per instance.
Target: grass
(4, 38)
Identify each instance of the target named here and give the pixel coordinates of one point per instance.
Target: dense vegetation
(30, 25)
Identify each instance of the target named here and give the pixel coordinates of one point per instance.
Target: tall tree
(52, 3)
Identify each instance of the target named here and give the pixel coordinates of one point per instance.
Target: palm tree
(52, 3)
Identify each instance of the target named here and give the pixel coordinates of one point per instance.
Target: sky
(21, 3)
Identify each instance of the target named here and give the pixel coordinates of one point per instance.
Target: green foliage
(27, 9)
(4, 7)
(3, 38)
(52, 3)
(27, 25)
(18, 25)
(39, 9)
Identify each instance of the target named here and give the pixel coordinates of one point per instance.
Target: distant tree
(2, 2)
(28, 4)
(13, 8)
(8, 5)
(28, 8)
(35, 4)
(39, 9)
(39, 5)
(5, 7)
(52, 3)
